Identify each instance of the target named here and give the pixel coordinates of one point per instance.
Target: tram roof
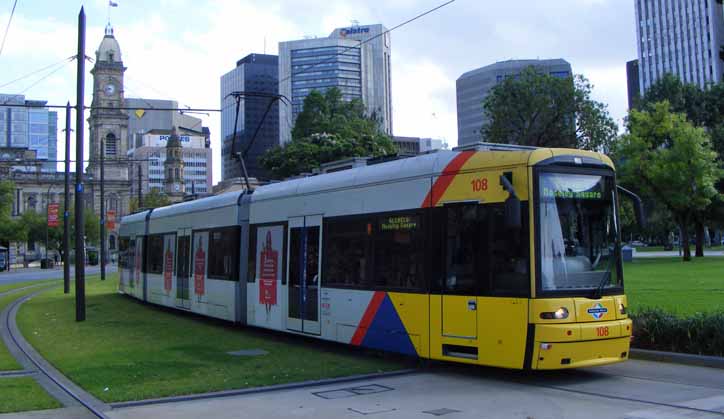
(488, 155)
(217, 201)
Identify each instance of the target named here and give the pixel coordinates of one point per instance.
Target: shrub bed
(700, 333)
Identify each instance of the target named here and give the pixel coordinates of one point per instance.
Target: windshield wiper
(599, 290)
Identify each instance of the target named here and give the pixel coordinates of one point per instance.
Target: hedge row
(701, 333)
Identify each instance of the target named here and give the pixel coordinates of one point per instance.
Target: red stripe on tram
(445, 179)
(367, 318)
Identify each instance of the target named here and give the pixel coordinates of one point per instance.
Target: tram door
(459, 301)
(305, 240)
(183, 268)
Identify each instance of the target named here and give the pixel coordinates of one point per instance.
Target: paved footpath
(633, 390)
(675, 253)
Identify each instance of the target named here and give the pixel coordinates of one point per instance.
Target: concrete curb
(678, 358)
(265, 389)
(57, 385)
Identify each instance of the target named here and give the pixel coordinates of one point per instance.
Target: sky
(178, 49)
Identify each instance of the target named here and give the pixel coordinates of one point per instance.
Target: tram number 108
(602, 331)
(479, 184)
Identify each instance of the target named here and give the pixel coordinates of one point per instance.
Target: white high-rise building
(356, 60)
(681, 37)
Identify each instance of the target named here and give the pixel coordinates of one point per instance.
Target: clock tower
(174, 168)
(108, 122)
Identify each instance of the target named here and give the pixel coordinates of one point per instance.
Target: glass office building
(472, 87)
(29, 125)
(255, 73)
(322, 68)
(681, 37)
(359, 70)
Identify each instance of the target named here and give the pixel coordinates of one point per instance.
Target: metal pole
(79, 131)
(103, 214)
(47, 218)
(66, 205)
(233, 146)
(140, 195)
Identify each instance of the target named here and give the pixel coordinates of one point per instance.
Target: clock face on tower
(109, 89)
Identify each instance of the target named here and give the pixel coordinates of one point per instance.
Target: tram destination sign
(399, 223)
(569, 194)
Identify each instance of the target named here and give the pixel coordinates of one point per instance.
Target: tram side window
(463, 230)
(509, 254)
(347, 259)
(154, 252)
(123, 252)
(224, 253)
(399, 249)
(482, 256)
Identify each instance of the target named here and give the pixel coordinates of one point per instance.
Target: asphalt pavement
(37, 274)
(632, 390)
(675, 253)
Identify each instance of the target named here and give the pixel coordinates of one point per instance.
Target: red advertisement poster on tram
(269, 266)
(199, 268)
(168, 270)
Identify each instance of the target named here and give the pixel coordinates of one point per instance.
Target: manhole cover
(440, 412)
(248, 352)
(352, 391)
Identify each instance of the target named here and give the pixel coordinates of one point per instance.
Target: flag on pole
(112, 3)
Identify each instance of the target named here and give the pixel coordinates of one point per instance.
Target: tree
(703, 108)
(328, 129)
(665, 156)
(541, 110)
(153, 199)
(34, 224)
(10, 229)
(683, 98)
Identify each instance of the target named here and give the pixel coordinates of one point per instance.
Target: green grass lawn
(7, 362)
(10, 287)
(127, 350)
(22, 394)
(680, 287)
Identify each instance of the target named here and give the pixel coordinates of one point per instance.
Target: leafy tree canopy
(541, 110)
(702, 107)
(153, 199)
(10, 230)
(668, 158)
(328, 129)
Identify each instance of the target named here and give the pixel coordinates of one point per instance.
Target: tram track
(565, 379)
(57, 381)
(632, 399)
(645, 401)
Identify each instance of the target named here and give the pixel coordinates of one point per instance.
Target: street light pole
(79, 207)
(103, 213)
(47, 218)
(66, 208)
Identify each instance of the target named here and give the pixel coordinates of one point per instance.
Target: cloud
(178, 49)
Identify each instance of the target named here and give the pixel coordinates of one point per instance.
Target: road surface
(35, 274)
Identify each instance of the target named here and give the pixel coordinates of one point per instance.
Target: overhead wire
(68, 59)
(60, 67)
(7, 27)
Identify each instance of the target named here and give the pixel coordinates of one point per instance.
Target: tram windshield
(578, 232)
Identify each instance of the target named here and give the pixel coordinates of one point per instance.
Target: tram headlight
(560, 314)
(621, 308)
